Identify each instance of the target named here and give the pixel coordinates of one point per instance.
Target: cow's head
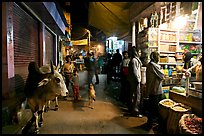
(54, 81)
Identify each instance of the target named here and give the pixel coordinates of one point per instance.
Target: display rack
(167, 46)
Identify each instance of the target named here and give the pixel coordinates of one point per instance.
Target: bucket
(175, 114)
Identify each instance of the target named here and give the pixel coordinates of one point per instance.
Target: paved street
(107, 117)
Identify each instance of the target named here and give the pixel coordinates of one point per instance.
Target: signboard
(80, 42)
(66, 43)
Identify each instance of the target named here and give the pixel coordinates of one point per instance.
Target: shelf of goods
(189, 40)
(167, 46)
(170, 44)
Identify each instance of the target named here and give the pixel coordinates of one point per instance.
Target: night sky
(78, 10)
(79, 19)
(79, 13)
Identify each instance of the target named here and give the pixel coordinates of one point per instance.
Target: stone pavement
(109, 116)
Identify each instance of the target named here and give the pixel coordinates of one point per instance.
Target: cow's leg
(40, 114)
(36, 122)
(56, 104)
(47, 108)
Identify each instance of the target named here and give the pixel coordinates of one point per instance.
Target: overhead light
(113, 38)
(179, 22)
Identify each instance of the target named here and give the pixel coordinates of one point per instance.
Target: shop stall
(173, 38)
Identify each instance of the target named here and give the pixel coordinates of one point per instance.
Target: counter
(194, 102)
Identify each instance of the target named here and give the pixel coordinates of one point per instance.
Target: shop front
(30, 32)
(172, 29)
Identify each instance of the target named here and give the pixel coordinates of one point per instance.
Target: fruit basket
(190, 124)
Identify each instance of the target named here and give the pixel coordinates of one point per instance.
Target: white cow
(47, 69)
(41, 87)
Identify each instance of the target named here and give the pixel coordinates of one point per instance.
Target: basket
(175, 113)
(164, 106)
(196, 124)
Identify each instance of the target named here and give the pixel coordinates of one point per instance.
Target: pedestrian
(67, 70)
(108, 67)
(154, 77)
(95, 68)
(90, 65)
(75, 84)
(124, 94)
(117, 59)
(134, 78)
(100, 63)
(81, 64)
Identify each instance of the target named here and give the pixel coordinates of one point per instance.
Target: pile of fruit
(191, 123)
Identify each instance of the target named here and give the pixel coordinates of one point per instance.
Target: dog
(91, 95)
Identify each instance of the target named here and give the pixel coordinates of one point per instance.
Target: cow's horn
(51, 66)
(58, 66)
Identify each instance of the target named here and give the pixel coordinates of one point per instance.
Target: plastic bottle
(166, 71)
(170, 71)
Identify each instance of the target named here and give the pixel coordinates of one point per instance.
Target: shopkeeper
(197, 68)
(187, 59)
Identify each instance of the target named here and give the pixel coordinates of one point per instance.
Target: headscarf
(134, 54)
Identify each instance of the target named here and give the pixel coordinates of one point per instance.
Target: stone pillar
(133, 34)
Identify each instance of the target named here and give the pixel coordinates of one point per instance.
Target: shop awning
(49, 14)
(110, 17)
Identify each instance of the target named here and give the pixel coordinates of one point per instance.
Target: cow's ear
(57, 79)
(43, 82)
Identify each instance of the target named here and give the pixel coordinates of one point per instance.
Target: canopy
(110, 17)
(80, 42)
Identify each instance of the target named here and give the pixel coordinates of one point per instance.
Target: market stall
(172, 40)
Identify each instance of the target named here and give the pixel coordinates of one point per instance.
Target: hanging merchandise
(154, 20)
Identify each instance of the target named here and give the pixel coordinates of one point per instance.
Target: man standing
(134, 78)
(154, 77)
(117, 59)
(91, 67)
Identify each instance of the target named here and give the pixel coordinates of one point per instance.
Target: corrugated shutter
(26, 44)
(49, 47)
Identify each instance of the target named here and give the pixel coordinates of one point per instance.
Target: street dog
(91, 95)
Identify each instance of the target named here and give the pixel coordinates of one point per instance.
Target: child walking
(75, 84)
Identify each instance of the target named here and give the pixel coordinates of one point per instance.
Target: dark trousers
(96, 75)
(67, 80)
(90, 77)
(125, 90)
(153, 109)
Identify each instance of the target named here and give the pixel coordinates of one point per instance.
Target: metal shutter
(26, 44)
